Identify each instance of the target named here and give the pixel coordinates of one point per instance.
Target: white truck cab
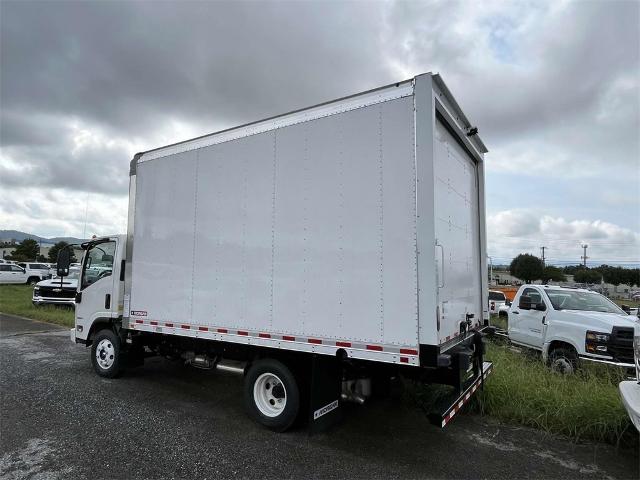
(569, 325)
(100, 286)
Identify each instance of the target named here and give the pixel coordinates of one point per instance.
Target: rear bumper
(630, 394)
(464, 397)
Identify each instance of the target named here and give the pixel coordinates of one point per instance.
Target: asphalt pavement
(60, 420)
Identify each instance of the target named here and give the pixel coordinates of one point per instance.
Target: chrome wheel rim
(562, 365)
(105, 354)
(269, 395)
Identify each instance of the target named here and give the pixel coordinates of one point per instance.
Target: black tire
(33, 280)
(257, 386)
(563, 360)
(106, 344)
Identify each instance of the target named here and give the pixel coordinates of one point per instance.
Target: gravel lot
(60, 420)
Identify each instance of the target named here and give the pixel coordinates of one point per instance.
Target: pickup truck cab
(569, 325)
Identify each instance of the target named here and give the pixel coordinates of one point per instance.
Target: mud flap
(324, 398)
(443, 417)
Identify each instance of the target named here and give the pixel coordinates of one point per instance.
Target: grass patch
(16, 300)
(628, 303)
(498, 321)
(586, 405)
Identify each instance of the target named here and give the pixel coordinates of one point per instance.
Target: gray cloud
(554, 87)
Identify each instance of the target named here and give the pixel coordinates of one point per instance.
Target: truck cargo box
(355, 225)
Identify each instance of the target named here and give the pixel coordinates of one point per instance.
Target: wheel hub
(105, 354)
(270, 395)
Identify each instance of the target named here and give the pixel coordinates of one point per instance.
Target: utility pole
(490, 270)
(584, 255)
(543, 249)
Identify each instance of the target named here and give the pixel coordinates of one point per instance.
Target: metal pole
(584, 256)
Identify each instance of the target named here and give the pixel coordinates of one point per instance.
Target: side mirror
(626, 309)
(107, 258)
(525, 303)
(541, 307)
(508, 303)
(64, 260)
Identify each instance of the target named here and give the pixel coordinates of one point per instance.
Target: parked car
(35, 271)
(57, 291)
(497, 300)
(10, 273)
(570, 325)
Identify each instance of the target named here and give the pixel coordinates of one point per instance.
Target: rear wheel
(33, 280)
(563, 360)
(105, 354)
(271, 394)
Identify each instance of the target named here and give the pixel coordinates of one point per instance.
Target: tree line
(529, 268)
(28, 251)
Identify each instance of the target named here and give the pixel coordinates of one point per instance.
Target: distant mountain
(18, 236)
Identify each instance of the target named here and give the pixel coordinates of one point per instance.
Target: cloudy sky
(553, 87)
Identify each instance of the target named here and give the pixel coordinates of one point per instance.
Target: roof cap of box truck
(350, 102)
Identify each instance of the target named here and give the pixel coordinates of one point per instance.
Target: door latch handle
(516, 313)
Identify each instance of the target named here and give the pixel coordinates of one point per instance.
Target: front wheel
(105, 354)
(563, 360)
(271, 394)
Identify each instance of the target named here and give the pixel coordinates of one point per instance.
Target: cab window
(533, 294)
(98, 262)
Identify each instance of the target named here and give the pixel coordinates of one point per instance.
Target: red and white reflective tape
(449, 337)
(410, 354)
(465, 398)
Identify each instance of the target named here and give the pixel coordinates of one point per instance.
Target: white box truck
(314, 252)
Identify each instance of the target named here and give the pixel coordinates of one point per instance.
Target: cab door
(94, 298)
(17, 274)
(529, 318)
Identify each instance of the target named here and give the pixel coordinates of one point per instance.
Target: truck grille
(621, 344)
(50, 292)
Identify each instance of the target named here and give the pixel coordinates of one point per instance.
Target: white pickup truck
(569, 325)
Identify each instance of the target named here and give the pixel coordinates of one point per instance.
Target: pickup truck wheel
(271, 394)
(105, 354)
(33, 280)
(563, 360)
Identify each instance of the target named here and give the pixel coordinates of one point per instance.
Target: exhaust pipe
(232, 366)
(207, 363)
